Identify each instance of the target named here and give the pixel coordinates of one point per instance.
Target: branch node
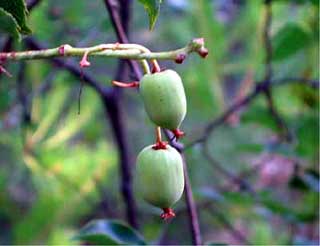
(180, 58)
(63, 48)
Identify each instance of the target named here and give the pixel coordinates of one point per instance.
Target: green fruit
(164, 98)
(159, 176)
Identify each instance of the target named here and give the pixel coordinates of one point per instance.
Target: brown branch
(191, 207)
(223, 220)
(121, 29)
(267, 41)
(243, 184)
(286, 135)
(113, 110)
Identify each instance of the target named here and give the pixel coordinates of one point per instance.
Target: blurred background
(59, 170)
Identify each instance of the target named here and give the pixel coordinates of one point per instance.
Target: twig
(121, 29)
(234, 232)
(268, 72)
(72, 67)
(309, 82)
(116, 50)
(243, 185)
(191, 207)
(267, 41)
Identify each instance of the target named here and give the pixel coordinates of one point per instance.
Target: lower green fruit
(159, 176)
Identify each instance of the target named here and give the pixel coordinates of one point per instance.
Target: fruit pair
(159, 172)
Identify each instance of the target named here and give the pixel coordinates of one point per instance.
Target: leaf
(8, 24)
(289, 40)
(106, 232)
(18, 9)
(153, 8)
(314, 2)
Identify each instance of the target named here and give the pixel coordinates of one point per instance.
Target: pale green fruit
(159, 176)
(164, 98)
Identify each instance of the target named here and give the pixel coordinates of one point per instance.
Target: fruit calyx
(160, 145)
(168, 213)
(178, 133)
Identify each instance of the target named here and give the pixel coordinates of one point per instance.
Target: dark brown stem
(268, 73)
(191, 207)
(267, 41)
(119, 16)
(114, 114)
(121, 28)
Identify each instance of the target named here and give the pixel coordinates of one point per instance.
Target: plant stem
(123, 51)
(158, 134)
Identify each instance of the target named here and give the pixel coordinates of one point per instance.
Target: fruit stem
(158, 134)
(159, 143)
(133, 84)
(84, 61)
(155, 66)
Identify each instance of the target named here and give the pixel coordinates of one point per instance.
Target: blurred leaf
(297, 182)
(8, 24)
(18, 9)
(289, 40)
(105, 232)
(153, 8)
(307, 181)
(261, 233)
(296, 1)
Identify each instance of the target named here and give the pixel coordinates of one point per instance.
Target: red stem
(133, 84)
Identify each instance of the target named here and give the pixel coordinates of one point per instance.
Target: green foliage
(153, 8)
(8, 24)
(289, 40)
(106, 232)
(17, 10)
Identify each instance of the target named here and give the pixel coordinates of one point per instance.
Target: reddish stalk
(133, 84)
(159, 143)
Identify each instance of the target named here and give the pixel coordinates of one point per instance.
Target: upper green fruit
(164, 98)
(159, 176)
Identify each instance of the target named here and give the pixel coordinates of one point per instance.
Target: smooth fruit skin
(164, 98)
(159, 176)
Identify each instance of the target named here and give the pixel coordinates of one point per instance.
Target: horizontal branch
(123, 51)
(72, 67)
